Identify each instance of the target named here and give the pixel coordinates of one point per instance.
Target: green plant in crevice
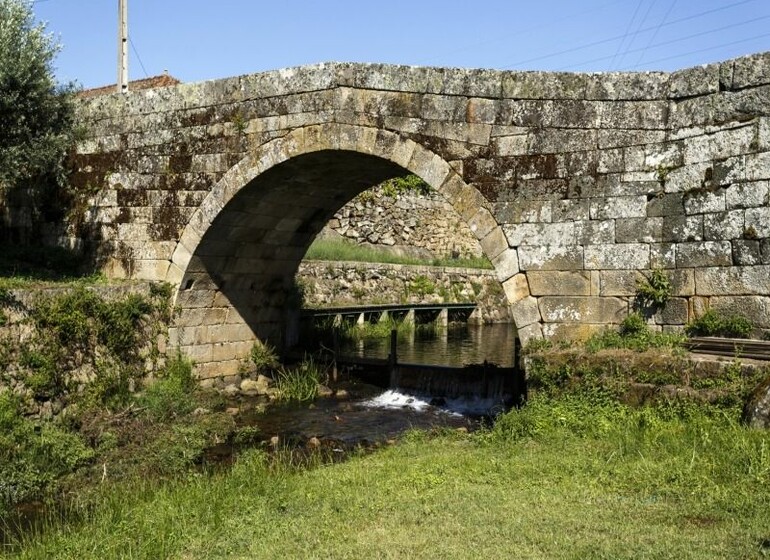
(653, 291)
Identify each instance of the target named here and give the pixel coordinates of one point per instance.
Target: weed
(714, 323)
(408, 183)
(264, 357)
(655, 290)
(170, 396)
(300, 382)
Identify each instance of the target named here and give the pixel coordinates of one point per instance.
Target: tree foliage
(36, 114)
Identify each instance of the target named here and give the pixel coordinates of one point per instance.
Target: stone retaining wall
(326, 284)
(408, 223)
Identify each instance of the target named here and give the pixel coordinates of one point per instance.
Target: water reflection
(456, 346)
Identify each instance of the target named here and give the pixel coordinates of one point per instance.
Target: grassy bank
(577, 477)
(333, 250)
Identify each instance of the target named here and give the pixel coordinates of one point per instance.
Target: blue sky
(205, 39)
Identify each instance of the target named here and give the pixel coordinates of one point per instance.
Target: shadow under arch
(235, 262)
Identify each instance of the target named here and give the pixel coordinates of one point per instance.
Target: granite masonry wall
(575, 186)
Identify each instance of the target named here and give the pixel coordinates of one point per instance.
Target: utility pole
(123, 46)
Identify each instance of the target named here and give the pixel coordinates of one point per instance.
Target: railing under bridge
(416, 313)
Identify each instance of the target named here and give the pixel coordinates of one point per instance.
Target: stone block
(665, 204)
(494, 244)
(619, 207)
(530, 333)
(217, 370)
(682, 228)
(569, 210)
(506, 264)
(723, 225)
(480, 110)
(482, 223)
(746, 252)
(540, 234)
(544, 85)
(674, 312)
(549, 283)
(752, 70)
(619, 282)
(525, 211)
(704, 202)
(443, 107)
(639, 230)
(545, 257)
(594, 232)
(516, 288)
(525, 312)
(754, 308)
(748, 195)
(700, 80)
(617, 256)
(704, 254)
(757, 222)
(555, 309)
(571, 331)
(226, 351)
(734, 280)
(627, 86)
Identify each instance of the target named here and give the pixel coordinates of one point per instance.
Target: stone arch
(215, 327)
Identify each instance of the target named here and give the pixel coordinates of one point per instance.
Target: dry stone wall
(408, 223)
(575, 185)
(325, 284)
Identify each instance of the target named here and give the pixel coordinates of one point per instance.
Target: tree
(36, 114)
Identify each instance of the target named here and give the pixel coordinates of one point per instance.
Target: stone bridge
(576, 186)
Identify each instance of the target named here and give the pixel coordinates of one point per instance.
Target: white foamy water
(460, 407)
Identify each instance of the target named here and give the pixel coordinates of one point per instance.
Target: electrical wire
(715, 47)
(625, 33)
(139, 58)
(670, 41)
(527, 31)
(636, 33)
(657, 29)
(616, 37)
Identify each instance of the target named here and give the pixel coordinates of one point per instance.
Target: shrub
(713, 323)
(33, 457)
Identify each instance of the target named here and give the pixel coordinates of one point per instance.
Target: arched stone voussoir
(249, 278)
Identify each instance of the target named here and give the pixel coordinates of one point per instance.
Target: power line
(139, 58)
(746, 40)
(671, 41)
(636, 33)
(616, 37)
(654, 35)
(625, 33)
(528, 31)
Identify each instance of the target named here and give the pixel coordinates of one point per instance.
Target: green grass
(572, 478)
(338, 250)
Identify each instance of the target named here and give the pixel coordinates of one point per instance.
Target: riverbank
(572, 477)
